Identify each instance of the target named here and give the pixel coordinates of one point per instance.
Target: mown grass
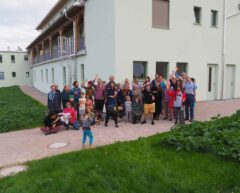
(19, 111)
(142, 166)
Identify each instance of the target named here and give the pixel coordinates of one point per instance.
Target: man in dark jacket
(54, 100)
(65, 96)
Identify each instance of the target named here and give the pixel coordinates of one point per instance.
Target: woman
(65, 96)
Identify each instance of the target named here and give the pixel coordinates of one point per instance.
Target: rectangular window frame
(2, 76)
(154, 22)
(1, 59)
(14, 74)
(13, 59)
(165, 70)
(145, 66)
(195, 22)
(214, 14)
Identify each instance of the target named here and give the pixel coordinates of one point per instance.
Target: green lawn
(18, 111)
(142, 166)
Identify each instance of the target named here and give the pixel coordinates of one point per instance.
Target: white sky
(18, 20)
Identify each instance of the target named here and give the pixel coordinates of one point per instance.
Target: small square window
(1, 59)
(1, 75)
(14, 74)
(25, 57)
(12, 58)
(214, 18)
(139, 70)
(197, 15)
(182, 68)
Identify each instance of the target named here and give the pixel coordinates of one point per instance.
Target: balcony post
(76, 31)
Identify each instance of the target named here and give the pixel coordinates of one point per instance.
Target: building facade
(140, 38)
(14, 68)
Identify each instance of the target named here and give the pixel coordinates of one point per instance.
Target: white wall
(20, 67)
(136, 40)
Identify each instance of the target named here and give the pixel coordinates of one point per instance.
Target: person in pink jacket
(73, 117)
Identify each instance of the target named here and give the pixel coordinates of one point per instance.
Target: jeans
(177, 111)
(189, 105)
(87, 133)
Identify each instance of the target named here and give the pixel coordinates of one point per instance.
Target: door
(230, 81)
(212, 82)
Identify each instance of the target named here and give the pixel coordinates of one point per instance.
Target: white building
(14, 68)
(130, 38)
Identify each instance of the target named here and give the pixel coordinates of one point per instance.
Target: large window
(12, 58)
(1, 59)
(1, 75)
(160, 13)
(14, 74)
(139, 70)
(162, 69)
(197, 15)
(182, 68)
(214, 18)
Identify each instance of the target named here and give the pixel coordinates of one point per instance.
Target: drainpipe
(224, 46)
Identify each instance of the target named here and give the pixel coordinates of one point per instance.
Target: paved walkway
(21, 146)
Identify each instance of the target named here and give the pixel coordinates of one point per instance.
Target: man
(111, 80)
(99, 96)
(149, 106)
(153, 83)
(190, 89)
(75, 95)
(111, 104)
(65, 96)
(54, 100)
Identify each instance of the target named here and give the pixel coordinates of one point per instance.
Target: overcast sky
(18, 20)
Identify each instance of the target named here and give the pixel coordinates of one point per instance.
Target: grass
(142, 166)
(19, 111)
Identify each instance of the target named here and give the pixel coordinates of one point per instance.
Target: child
(137, 111)
(128, 108)
(82, 106)
(170, 93)
(179, 99)
(52, 124)
(92, 115)
(89, 103)
(86, 125)
(72, 116)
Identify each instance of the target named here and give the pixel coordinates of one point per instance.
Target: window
(27, 74)
(25, 57)
(64, 76)
(1, 59)
(162, 69)
(214, 18)
(182, 67)
(210, 79)
(160, 13)
(12, 58)
(139, 70)
(82, 73)
(42, 75)
(1, 75)
(197, 15)
(52, 75)
(14, 74)
(34, 75)
(46, 75)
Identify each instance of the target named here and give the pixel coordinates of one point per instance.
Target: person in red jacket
(170, 93)
(73, 117)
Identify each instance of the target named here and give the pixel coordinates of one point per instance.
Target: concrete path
(21, 146)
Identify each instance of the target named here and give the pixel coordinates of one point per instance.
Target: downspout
(224, 47)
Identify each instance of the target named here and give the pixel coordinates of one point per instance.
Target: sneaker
(143, 122)
(116, 126)
(190, 120)
(106, 125)
(153, 122)
(165, 118)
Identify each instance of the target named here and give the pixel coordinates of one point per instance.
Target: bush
(220, 136)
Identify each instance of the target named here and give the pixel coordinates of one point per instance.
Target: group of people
(95, 101)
